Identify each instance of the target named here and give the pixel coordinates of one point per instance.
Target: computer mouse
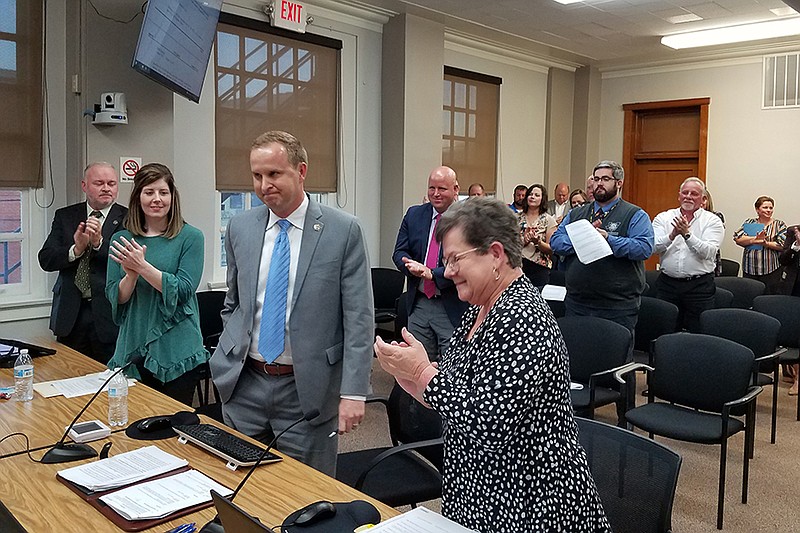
(314, 512)
(154, 423)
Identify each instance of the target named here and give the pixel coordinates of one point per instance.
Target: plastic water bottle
(118, 400)
(23, 377)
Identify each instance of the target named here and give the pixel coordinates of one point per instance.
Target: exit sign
(289, 15)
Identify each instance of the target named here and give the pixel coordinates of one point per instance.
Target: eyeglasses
(453, 261)
(604, 179)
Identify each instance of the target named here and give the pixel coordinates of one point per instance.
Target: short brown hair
(761, 199)
(148, 174)
(294, 148)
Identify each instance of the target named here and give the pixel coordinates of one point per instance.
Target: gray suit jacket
(332, 319)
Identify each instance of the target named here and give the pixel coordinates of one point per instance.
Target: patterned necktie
(82, 280)
(272, 339)
(431, 261)
(599, 214)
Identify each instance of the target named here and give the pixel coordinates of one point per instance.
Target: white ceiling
(598, 30)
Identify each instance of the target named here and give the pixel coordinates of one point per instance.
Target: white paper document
(73, 387)
(164, 496)
(589, 245)
(555, 293)
(419, 520)
(123, 469)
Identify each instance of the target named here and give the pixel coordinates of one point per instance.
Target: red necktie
(432, 261)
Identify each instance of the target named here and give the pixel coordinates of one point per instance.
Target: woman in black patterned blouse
(512, 461)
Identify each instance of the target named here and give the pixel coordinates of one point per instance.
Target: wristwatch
(686, 236)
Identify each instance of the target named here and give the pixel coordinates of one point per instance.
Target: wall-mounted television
(175, 43)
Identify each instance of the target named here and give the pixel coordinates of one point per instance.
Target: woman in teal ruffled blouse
(154, 268)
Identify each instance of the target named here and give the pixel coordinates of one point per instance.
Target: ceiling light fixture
(734, 34)
(567, 2)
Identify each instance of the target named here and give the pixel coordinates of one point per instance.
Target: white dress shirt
(295, 235)
(682, 258)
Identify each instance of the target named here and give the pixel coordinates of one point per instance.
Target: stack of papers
(164, 496)
(73, 387)
(123, 469)
(419, 520)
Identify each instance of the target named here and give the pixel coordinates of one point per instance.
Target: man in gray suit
(318, 358)
(559, 205)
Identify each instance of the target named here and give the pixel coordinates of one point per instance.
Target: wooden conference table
(41, 503)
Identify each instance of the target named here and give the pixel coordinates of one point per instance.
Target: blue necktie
(273, 314)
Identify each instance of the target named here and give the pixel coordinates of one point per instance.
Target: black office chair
(650, 277)
(387, 286)
(723, 298)
(210, 305)
(656, 318)
(757, 331)
(744, 290)
(700, 380)
(636, 477)
(729, 267)
(408, 472)
(787, 310)
(597, 348)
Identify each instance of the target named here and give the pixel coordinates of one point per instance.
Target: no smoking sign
(128, 167)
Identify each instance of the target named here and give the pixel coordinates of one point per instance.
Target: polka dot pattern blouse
(512, 460)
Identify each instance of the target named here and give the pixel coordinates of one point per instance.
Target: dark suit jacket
(412, 242)
(791, 264)
(54, 256)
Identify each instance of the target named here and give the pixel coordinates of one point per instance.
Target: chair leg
(723, 455)
(775, 378)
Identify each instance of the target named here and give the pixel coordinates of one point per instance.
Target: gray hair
(484, 221)
(616, 169)
(90, 166)
(694, 179)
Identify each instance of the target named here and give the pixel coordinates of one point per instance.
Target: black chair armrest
(751, 395)
(774, 355)
(210, 342)
(629, 367)
(394, 451)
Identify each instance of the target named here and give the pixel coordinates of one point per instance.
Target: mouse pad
(181, 418)
(349, 515)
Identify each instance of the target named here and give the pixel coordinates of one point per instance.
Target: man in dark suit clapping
(434, 309)
(77, 248)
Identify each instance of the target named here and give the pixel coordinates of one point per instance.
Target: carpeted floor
(773, 472)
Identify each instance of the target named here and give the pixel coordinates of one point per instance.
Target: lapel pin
(317, 226)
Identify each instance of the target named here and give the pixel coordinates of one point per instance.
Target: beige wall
(751, 151)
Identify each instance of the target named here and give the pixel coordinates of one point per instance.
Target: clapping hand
(129, 254)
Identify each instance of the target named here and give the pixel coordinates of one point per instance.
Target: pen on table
(184, 528)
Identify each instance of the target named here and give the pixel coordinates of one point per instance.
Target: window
(267, 79)
(21, 113)
(471, 103)
(781, 83)
(232, 204)
(11, 237)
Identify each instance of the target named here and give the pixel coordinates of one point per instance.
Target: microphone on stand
(214, 526)
(63, 452)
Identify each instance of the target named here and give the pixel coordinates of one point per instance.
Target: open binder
(93, 499)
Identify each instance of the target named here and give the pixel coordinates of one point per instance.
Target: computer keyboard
(235, 450)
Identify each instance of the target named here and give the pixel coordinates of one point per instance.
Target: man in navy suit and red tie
(77, 248)
(434, 309)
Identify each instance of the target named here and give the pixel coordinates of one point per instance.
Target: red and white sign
(128, 167)
(289, 15)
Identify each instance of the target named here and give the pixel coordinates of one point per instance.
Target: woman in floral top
(762, 239)
(536, 227)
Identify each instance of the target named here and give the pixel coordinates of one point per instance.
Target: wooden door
(665, 143)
